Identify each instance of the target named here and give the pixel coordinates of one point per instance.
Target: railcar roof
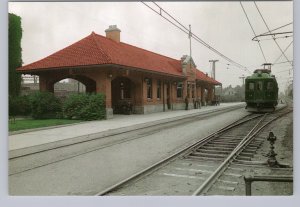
(260, 77)
(261, 74)
(262, 71)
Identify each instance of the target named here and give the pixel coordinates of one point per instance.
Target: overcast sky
(51, 26)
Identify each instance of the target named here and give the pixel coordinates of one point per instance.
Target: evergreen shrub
(19, 106)
(84, 107)
(14, 54)
(45, 105)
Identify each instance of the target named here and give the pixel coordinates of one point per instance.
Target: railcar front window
(251, 86)
(269, 86)
(259, 86)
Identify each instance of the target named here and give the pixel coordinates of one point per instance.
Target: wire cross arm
(270, 34)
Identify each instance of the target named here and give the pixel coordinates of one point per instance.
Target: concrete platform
(45, 138)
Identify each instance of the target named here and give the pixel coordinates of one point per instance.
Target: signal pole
(243, 77)
(214, 68)
(190, 37)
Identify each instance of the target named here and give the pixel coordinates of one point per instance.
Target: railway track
(211, 164)
(29, 161)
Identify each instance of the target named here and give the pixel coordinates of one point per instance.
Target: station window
(179, 89)
(158, 89)
(149, 88)
(270, 86)
(188, 90)
(259, 85)
(251, 86)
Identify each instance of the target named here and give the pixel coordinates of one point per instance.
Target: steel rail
(213, 177)
(224, 164)
(93, 136)
(189, 148)
(87, 150)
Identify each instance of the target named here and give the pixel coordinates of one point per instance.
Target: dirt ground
(283, 130)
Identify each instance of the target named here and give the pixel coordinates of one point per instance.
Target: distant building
(29, 79)
(289, 90)
(150, 82)
(63, 88)
(229, 91)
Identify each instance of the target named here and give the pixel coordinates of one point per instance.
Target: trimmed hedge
(84, 107)
(45, 105)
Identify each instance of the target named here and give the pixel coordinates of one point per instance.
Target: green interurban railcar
(261, 91)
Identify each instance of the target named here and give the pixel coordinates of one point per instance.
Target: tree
(14, 54)
(233, 94)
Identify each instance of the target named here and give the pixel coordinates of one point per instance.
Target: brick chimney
(113, 32)
(183, 64)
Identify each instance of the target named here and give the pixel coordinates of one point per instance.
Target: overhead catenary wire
(253, 31)
(273, 34)
(282, 52)
(286, 78)
(277, 28)
(287, 36)
(281, 62)
(184, 29)
(165, 18)
(129, 32)
(194, 36)
(281, 71)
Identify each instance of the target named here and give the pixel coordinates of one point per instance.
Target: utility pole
(190, 37)
(214, 68)
(243, 77)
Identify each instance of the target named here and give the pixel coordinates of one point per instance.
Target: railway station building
(146, 81)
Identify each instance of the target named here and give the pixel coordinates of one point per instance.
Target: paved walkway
(93, 129)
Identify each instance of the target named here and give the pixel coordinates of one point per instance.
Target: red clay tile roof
(203, 77)
(99, 50)
(83, 52)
